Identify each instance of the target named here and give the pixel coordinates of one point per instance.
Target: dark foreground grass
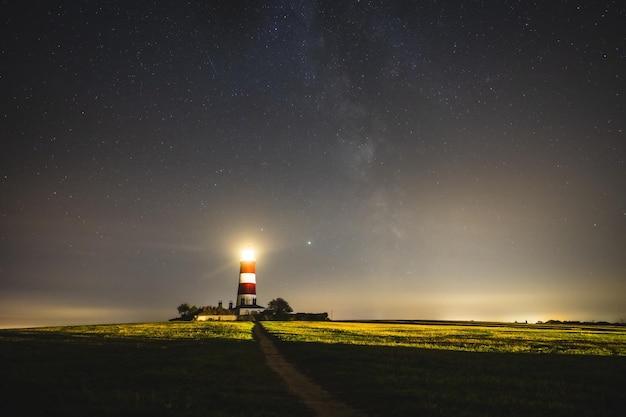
(403, 381)
(170, 369)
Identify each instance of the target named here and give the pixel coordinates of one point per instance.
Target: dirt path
(312, 395)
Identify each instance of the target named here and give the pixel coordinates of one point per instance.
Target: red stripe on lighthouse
(247, 288)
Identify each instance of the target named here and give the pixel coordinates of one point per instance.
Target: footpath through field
(311, 394)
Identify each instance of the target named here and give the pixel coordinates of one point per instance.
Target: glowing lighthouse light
(247, 255)
(246, 293)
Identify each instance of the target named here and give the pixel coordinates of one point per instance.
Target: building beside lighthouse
(246, 303)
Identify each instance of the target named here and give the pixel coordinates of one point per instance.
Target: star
(141, 142)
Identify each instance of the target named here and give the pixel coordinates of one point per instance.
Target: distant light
(247, 255)
(308, 243)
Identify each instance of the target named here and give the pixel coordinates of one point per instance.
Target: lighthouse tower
(246, 293)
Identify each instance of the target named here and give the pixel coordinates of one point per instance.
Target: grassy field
(217, 369)
(583, 340)
(161, 369)
(460, 370)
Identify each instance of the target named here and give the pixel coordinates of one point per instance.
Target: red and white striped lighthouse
(246, 293)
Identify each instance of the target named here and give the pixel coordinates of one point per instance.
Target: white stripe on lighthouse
(247, 278)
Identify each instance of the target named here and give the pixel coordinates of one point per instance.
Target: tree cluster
(277, 309)
(187, 312)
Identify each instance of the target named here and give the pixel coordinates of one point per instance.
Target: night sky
(386, 159)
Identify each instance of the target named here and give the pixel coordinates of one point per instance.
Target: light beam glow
(247, 255)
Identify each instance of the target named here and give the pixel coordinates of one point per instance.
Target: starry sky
(459, 160)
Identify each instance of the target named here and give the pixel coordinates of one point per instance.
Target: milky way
(434, 160)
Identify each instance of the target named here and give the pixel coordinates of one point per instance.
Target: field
(577, 339)
(463, 370)
(384, 369)
(160, 369)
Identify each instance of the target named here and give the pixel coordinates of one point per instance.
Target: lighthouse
(246, 292)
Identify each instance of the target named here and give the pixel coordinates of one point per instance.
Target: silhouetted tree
(183, 309)
(188, 312)
(279, 307)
